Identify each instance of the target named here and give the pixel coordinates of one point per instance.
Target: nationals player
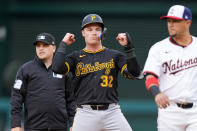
(96, 77)
(171, 73)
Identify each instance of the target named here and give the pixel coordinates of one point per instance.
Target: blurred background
(22, 20)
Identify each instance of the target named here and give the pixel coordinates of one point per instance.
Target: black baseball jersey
(48, 101)
(96, 74)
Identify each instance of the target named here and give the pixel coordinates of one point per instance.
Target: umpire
(48, 101)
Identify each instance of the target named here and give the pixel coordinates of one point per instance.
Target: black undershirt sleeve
(132, 64)
(58, 64)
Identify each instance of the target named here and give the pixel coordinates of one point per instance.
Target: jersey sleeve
(17, 98)
(153, 64)
(62, 63)
(124, 63)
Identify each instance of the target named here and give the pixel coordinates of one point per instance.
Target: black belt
(185, 105)
(97, 107)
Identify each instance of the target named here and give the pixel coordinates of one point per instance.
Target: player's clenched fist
(122, 39)
(69, 38)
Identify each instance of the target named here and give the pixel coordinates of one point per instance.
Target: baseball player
(48, 101)
(171, 73)
(96, 76)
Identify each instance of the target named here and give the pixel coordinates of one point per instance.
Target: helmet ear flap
(103, 34)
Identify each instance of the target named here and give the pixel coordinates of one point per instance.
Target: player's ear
(189, 22)
(83, 33)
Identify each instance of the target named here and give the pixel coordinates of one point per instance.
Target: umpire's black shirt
(48, 103)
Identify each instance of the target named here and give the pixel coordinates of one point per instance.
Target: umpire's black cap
(92, 18)
(45, 38)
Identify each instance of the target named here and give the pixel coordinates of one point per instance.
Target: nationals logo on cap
(179, 12)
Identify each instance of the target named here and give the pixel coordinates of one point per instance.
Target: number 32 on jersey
(107, 81)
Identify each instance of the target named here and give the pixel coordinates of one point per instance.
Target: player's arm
(152, 85)
(59, 65)
(132, 65)
(17, 99)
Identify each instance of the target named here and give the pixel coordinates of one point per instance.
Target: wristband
(154, 90)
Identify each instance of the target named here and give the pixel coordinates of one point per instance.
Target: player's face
(177, 27)
(91, 33)
(44, 51)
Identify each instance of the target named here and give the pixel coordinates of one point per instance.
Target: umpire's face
(45, 51)
(91, 33)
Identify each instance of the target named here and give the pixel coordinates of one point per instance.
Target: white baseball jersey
(176, 68)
